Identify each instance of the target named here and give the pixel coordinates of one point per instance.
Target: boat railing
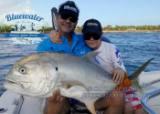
(147, 97)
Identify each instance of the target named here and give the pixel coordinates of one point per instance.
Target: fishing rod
(54, 13)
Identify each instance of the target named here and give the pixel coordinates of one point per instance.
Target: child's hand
(118, 75)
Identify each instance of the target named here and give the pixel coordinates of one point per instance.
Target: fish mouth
(11, 82)
(15, 84)
(18, 82)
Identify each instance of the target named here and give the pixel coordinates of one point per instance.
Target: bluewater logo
(35, 17)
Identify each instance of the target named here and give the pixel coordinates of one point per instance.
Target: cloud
(14, 6)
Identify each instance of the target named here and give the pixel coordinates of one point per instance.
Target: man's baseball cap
(69, 8)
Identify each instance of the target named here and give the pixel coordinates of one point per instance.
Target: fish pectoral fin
(90, 106)
(75, 92)
(71, 83)
(90, 55)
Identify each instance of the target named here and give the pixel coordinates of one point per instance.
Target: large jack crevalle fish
(41, 74)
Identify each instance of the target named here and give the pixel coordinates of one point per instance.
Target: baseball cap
(92, 26)
(69, 8)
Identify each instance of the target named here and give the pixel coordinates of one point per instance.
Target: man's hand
(56, 97)
(56, 104)
(118, 75)
(55, 36)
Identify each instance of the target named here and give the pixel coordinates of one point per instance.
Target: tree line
(132, 28)
(45, 29)
(5, 28)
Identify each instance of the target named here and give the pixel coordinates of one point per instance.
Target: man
(31, 105)
(67, 19)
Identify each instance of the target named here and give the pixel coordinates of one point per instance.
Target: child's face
(92, 43)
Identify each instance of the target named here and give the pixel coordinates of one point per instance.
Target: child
(109, 59)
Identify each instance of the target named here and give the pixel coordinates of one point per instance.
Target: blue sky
(109, 12)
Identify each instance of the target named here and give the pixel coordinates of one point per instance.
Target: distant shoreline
(120, 31)
(108, 28)
(106, 31)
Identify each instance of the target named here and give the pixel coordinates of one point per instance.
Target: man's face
(66, 23)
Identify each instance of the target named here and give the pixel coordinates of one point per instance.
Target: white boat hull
(144, 79)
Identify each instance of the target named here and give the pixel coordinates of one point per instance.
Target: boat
(25, 32)
(150, 81)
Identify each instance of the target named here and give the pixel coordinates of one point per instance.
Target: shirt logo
(92, 24)
(118, 56)
(70, 8)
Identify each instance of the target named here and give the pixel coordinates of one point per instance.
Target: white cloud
(14, 6)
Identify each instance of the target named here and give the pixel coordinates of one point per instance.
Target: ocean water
(136, 48)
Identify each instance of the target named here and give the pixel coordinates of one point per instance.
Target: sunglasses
(92, 36)
(66, 16)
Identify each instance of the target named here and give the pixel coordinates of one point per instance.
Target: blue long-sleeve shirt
(77, 47)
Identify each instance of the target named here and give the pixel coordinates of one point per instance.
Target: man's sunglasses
(92, 36)
(72, 18)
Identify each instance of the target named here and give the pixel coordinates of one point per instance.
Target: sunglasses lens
(92, 36)
(70, 17)
(73, 19)
(64, 16)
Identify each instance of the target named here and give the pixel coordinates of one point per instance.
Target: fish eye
(56, 68)
(22, 70)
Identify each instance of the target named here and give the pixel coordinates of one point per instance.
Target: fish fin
(135, 74)
(27, 59)
(90, 106)
(90, 55)
(75, 92)
(78, 93)
(71, 83)
(136, 85)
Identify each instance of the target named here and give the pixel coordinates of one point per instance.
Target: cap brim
(68, 12)
(90, 30)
